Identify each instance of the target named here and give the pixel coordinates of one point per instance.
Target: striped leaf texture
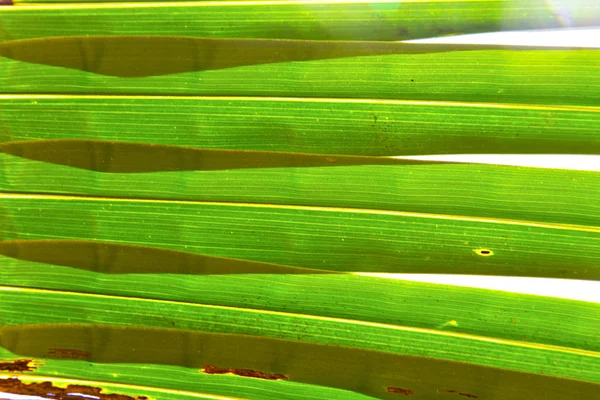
(196, 198)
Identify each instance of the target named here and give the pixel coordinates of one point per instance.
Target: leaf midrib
(349, 100)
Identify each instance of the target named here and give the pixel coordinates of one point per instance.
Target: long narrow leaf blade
(495, 75)
(517, 194)
(335, 20)
(362, 301)
(306, 125)
(325, 332)
(313, 237)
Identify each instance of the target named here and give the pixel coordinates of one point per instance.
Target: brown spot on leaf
(406, 392)
(68, 353)
(48, 391)
(250, 373)
(88, 390)
(17, 366)
(469, 395)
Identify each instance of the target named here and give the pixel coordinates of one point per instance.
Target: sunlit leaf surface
(189, 192)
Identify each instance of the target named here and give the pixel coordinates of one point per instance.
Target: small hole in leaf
(484, 252)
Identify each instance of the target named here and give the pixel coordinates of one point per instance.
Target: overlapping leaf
(181, 188)
(406, 71)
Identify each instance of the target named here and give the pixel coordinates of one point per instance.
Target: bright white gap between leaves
(563, 288)
(574, 37)
(558, 161)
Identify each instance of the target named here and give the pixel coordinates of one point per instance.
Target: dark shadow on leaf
(360, 370)
(140, 56)
(123, 157)
(118, 258)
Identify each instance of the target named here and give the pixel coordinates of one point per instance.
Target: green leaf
(358, 300)
(190, 191)
(312, 237)
(265, 340)
(472, 75)
(334, 20)
(304, 125)
(502, 194)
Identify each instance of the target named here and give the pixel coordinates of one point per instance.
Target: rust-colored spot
(406, 392)
(17, 366)
(469, 395)
(512, 320)
(250, 373)
(48, 391)
(68, 353)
